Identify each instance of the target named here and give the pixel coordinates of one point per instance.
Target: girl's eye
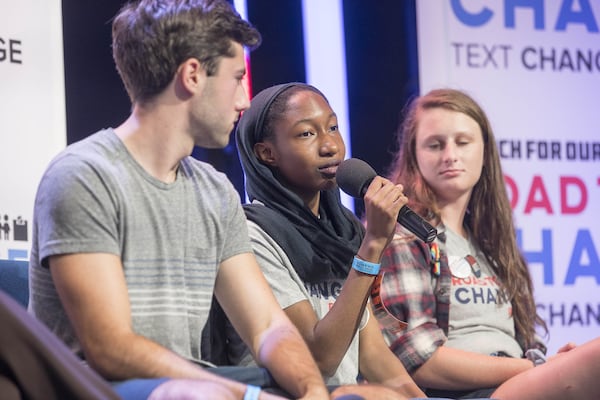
(333, 128)
(434, 146)
(305, 134)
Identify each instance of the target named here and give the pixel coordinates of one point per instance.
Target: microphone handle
(417, 225)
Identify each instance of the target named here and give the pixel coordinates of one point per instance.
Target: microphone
(354, 177)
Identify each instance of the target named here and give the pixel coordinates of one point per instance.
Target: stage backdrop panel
(535, 68)
(32, 112)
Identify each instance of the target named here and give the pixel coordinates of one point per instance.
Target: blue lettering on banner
(584, 16)
(537, 6)
(584, 245)
(582, 315)
(471, 19)
(503, 56)
(544, 256)
(568, 14)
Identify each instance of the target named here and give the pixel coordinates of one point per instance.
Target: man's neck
(155, 141)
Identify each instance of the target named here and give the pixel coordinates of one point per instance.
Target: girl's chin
(329, 184)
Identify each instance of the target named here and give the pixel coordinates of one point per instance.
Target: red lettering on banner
(513, 192)
(537, 186)
(573, 195)
(566, 181)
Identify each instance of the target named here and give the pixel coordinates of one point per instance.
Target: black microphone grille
(353, 176)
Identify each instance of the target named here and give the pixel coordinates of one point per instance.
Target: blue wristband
(365, 267)
(252, 392)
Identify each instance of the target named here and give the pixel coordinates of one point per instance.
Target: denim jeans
(140, 389)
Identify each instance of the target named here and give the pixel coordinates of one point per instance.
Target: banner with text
(32, 109)
(534, 66)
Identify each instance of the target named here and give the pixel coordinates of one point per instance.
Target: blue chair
(14, 280)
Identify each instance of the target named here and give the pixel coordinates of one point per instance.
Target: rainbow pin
(435, 256)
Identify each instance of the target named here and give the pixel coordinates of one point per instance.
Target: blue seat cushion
(14, 280)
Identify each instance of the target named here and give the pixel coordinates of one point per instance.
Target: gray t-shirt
(289, 289)
(480, 315)
(171, 238)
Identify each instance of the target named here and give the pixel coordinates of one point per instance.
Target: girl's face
(306, 148)
(449, 150)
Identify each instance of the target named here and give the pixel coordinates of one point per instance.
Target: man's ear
(265, 153)
(191, 76)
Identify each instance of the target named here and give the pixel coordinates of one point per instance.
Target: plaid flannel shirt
(415, 291)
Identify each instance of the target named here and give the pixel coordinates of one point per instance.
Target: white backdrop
(535, 69)
(32, 112)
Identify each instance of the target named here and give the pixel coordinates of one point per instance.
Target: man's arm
(94, 294)
(276, 344)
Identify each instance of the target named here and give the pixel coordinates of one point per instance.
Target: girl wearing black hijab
(315, 254)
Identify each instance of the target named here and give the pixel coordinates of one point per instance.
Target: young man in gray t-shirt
(132, 236)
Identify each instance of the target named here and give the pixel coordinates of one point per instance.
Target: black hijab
(318, 248)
